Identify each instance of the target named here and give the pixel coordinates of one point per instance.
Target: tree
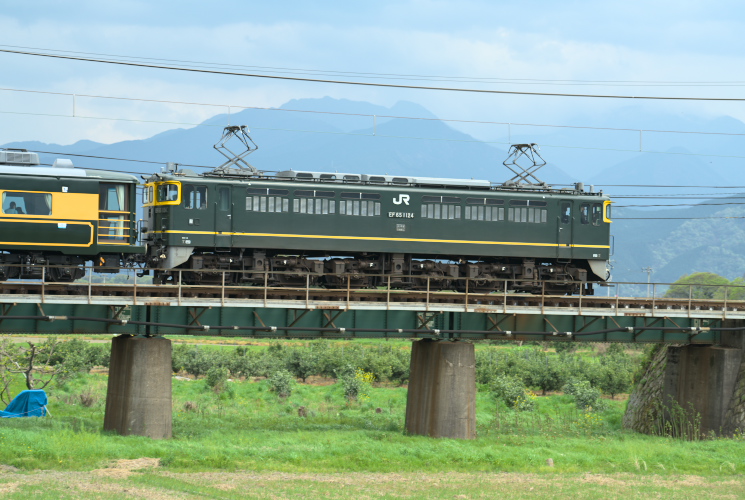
(35, 362)
(698, 286)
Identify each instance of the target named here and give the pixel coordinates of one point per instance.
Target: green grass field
(248, 443)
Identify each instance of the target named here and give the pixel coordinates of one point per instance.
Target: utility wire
(647, 196)
(399, 76)
(367, 115)
(366, 84)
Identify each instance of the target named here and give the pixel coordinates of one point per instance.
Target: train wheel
(63, 274)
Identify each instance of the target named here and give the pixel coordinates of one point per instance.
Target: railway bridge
(441, 402)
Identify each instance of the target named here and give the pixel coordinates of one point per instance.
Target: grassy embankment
(253, 430)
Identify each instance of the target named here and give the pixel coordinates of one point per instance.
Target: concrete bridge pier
(138, 401)
(692, 390)
(441, 401)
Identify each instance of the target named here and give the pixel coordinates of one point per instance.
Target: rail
(435, 294)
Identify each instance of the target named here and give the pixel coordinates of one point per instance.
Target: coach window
(584, 211)
(195, 197)
(566, 212)
(113, 197)
(597, 214)
(113, 215)
(23, 203)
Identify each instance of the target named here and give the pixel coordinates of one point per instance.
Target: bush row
(302, 361)
(539, 370)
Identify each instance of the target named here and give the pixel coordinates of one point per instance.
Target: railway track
(167, 293)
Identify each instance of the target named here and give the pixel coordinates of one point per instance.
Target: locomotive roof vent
(18, 157)
(524, 174)
(63, 163)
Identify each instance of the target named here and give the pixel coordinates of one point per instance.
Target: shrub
(586, 397)
(513, 393)
(282, 382)
(217, 379)
(357, 384)
(302, 362)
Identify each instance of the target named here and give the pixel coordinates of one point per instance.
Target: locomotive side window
(360, 204)
(24, 203)
(584, 212)
(441, 207)
(597, 214)
(566, 212)
(195, 197)
(308, 201)
(275, 202)
(527, 214)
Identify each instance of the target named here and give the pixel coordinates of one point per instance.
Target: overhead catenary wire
(368, 115)
(647, 196)
(399, 76)
(377, 134)
(362, 83)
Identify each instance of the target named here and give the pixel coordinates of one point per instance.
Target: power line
(399, 76)
(366, 84)
(646, 196)
(375, 116)
(678, 205)
(674, 218)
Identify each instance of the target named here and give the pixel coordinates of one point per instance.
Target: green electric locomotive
(350, 229)
(63, 217)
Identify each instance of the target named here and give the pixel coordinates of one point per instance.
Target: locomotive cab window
(566, 212)
(148, 194)
(25, 203)
(195, 197)
(584, 211)
(168, 193)
(597, 214)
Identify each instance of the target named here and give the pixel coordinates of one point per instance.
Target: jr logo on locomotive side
(402, 198)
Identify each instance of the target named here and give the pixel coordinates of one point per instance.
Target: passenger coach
(63, 217)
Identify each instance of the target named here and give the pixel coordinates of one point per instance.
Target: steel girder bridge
(308, 312)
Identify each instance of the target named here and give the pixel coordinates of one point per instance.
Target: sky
(570, 46)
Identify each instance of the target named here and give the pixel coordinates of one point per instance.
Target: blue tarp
(27, 404)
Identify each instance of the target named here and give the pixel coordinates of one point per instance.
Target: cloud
(574, 40)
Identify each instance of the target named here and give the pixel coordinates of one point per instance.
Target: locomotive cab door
(223, 218)
(564, 237)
